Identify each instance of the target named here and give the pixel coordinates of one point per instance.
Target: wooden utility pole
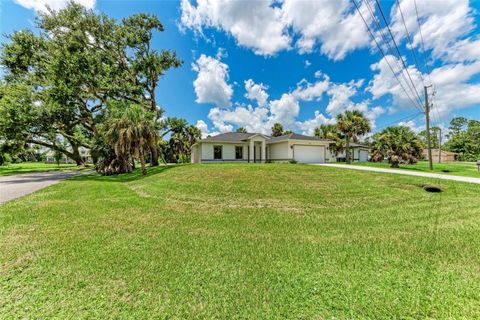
(439, 144)
(427, 122)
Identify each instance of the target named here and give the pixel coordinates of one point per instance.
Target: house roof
(358, 145)
(229, 136)
(238, 137)
(296, 136)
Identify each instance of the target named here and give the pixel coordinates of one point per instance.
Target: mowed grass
(240, 241)
(468, 169)
(26, 167)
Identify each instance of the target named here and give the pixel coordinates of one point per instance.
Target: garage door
(363, 156)
(309, 154)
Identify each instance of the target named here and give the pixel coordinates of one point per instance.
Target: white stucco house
(257, 147)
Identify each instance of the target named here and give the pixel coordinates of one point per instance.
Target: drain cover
(430, 188)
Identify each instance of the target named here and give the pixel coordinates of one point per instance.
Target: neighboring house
(84, 153)
(256, 147)
(359, 153)
(444, 155)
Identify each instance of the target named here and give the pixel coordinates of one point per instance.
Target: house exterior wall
(445, 155)
(355, 154)
(228, 151)
(283, 151)
(279, 151)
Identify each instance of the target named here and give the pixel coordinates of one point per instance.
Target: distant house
(359, 153)
(84, 153)
(445, 156)
(257, 147)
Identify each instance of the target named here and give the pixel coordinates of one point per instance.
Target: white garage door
(309, 154)
(363, 156)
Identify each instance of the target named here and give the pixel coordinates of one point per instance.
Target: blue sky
(300, 63)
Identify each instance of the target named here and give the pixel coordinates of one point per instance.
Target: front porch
(257, 150)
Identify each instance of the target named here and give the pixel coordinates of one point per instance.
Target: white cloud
(211, 83)
(269, 26)
(307, 91)
(333, 25)
(307, 63)
(252, 119)
(453, 89)
(203, 127)
(412, 124)
(286, 109)
(308, 126)
(255, 24)
(441, 26)
(256, 92)
(41, 5)
(384, 82)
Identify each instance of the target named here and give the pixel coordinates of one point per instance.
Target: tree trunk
(347, 150)
(154, 157)
(142, 163)
(76, 155)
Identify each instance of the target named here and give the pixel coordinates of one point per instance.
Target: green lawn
(459, 168)
(26, 167)
(234, 241)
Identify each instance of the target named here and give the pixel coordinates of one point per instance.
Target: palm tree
(277, 130)
(132, 133)
(352, 124)
(326, 131)
(330, 131)
(241, 130)
(397, 144)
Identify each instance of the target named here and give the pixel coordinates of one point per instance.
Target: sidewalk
(404, 172)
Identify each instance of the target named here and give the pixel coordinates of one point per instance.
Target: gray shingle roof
(296, 136)
(355, 145)
(229, 136)
(237, 137)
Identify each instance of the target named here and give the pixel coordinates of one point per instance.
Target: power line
(423, 43)
(390, 49)
(398, 50)
(383, 54)
(407, 118)
(435, 111)
(410, 41)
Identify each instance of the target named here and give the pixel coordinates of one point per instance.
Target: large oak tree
(76, 65)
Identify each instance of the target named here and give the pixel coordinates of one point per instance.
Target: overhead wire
(383, 54)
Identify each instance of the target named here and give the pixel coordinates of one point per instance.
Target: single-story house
(359, 153)
(84, 153)
(257, 147)
(444, 155)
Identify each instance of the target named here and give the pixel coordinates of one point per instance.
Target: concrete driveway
(404, 172)
(19, 185)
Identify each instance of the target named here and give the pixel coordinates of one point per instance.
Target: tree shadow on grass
(126, 177)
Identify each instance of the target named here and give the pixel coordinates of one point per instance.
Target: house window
(238, 152)
(217, 152)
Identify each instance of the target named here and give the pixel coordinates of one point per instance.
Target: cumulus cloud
(211, 83)
(256, 92)
(453, 87)
(203, 127)
(41, 5)
(268, 27)
(441, 26)
(307, 91)
(286, 109)
(335, 26)
(255, 25)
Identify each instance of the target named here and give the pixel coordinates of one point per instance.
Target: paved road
(19, 185)
(404, 172)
